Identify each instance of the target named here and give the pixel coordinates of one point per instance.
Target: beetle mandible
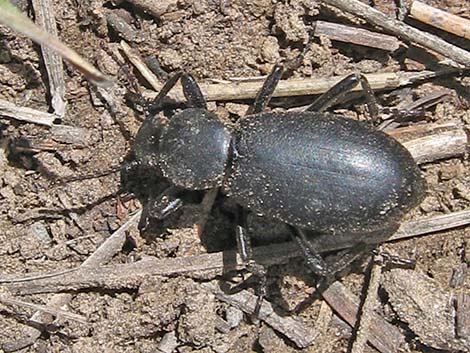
(313, 170)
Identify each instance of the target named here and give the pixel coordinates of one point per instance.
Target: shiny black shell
(322, 172)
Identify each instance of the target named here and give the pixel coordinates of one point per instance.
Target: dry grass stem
(364, 329)
(43, 308)
(25, 114)
(301, 87)
(45, 18)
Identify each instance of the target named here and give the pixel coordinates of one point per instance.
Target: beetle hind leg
(326, 272)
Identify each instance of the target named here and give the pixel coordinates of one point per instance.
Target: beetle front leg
(160, 206)
(265, 93)
(164, 204)
(158, 101)
(193, 92)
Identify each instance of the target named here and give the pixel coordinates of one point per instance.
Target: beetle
(315, 171)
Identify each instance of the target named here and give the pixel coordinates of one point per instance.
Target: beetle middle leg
(246, 253)
(340, 89)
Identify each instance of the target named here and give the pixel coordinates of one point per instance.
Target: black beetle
(312, 170)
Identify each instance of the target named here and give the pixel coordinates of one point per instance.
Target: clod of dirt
(197, 324)
(425, 307)
(272, 342)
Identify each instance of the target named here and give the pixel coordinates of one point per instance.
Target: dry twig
(355, 35)
(301, 87)
(462, 302)
(402, 30)
(225, 91)
(432, 142)
(43, 308)
(440, 19)
(383, 335)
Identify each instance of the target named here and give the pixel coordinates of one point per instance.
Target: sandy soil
(48, 225)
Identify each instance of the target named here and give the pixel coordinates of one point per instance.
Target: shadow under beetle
(313, 170)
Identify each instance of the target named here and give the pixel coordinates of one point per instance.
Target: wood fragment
(432, 142)
(168, 343)
(155, 8)
(440, 19)
(43, 308)
(100, 256)
(323, 320)
(431, 225)
(420, 301)
(207, 203)
(120, 26)
(130, 275)
(25, 114)
(45, 18)
(355, 35)
(289, 326)
(462, 304)
(402, 30)
(383, 335)
(370, 303)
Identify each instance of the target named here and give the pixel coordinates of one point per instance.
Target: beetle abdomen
(322, 172)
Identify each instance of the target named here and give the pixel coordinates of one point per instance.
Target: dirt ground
(48, 225)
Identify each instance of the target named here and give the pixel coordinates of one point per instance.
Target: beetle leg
(192, 92)
(340, 89)
(319, 266)
(164, 204)
(246, 253)
(265, 93)
(313, 258)
(160, 98)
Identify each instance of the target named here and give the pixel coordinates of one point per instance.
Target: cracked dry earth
(61, 198)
